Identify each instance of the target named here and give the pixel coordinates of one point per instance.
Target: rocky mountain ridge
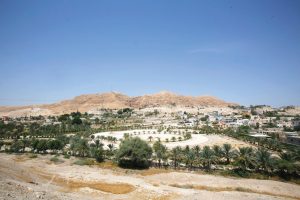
(114, 100)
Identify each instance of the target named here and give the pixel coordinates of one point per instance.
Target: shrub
(33, 156)
(98, 154)
(67, 156)
(85, 161)
(55, 159)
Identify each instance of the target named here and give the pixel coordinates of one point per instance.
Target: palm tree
(228, 152)
(110, 146)
(190, 157)
(264, 159)
(197, 149)
(160, 151)
(286, 164)
(150, 138)
(207, 157)
(245, 158)
(197, 152)
(25, 143)
(173, 139)
(175, 155)
(1, 144)
(286, 156)
(98, 144)
(83, 147)
(79, 145)
(218, 152)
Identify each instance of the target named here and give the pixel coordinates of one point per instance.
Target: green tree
(25, 143)
(55, 145)
(77, 120)
(175, 156)
(17, 146)
(79, 146)
(207, 157)
(190, 157)
(150, 138)
(1, 144)
(264, 160)
(42, 146)
(97, 153)
(33, 144)
(160, 151)
(245, 158)
(173, 139)
(134, 153)
(228, 152)
(218, 152)
(286, 165)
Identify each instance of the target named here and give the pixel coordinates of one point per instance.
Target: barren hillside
(113, 100)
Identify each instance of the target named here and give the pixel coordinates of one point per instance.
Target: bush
(55, 159)
(98, 154)
(85, 161)
(241, 173)
(33, 156)
(17, 146)
(67, 156)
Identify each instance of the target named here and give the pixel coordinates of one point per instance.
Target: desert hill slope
(113, 100)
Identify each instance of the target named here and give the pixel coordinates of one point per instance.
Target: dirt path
(38, 178)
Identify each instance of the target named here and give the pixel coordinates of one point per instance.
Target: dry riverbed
(22, 177)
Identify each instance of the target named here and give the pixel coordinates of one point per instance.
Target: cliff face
(113, 100)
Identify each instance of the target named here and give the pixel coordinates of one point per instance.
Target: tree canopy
(134, 153)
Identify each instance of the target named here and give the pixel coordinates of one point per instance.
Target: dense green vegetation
(70, 135)
(134, 153)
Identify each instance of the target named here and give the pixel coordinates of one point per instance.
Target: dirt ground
(22, 177)
(197, 139)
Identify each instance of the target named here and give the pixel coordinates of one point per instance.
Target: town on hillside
(261, 121)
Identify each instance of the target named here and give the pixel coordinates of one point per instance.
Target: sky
(241, 51)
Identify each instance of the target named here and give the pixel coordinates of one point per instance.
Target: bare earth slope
(25, 178)
(112, 100)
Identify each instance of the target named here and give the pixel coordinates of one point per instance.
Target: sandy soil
(38, 178)
(197, 139)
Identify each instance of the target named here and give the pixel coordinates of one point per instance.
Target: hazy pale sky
(241, 51)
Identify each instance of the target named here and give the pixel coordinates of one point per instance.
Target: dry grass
(230, 189)
(117, 188)
(74, 185)
(153, 171)
(145, 172)
(155, 184)
(21, 158)
(146, 195)
(164, 197)
(107, 165)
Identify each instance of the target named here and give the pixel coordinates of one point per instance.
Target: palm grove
(266, 157)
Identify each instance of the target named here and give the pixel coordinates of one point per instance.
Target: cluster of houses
(284, 127)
